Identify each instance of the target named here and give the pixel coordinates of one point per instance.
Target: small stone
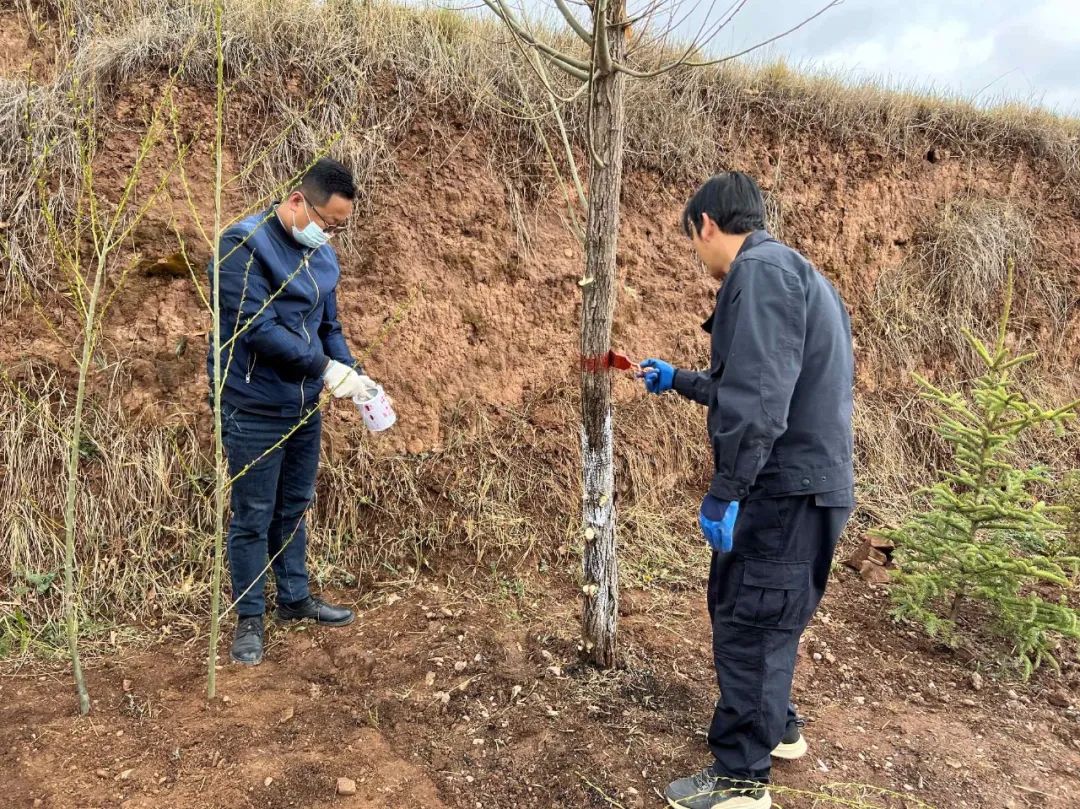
(446, 612)
(860, 700)
(1058, 699)
(127, 685)
(555, 670)
(873, 574)
(830, 657)
(817, 657)
(38, 802)
(429, 679)
(968, 703)
(269, 780)
(568, 253)
(478, 742)
(976, 681)
(101, 773)
(287, 714)
(956, 765)
(1013, 695)
(460, 665)
(346, 786)
(515, 691)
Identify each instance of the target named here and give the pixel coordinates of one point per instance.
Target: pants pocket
(772, 594)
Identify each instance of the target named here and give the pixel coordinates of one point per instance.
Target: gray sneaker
(793, 745)
(707, 790)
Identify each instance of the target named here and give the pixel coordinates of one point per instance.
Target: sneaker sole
(790, 752)
(738, 802)
(315, 621)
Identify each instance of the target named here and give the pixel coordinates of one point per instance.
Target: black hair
(732, 200)
(326, 178)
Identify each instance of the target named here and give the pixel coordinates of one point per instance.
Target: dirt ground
(466, 693)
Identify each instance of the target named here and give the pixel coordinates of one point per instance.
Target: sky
(986, 50)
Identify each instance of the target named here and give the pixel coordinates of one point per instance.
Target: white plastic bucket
(377, 411)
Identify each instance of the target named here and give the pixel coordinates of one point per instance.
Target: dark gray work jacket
(779, 391)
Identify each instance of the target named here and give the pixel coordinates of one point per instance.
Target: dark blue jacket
(280, 299)
(779, 390)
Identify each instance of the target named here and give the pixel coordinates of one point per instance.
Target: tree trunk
(221, 474)
(601, 579)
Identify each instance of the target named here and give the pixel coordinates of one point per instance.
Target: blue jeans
(268, 504)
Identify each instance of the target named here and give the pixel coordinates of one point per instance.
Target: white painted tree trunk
(601, 572)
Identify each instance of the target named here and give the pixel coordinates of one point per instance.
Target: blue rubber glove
(659, 376)
(717, 521)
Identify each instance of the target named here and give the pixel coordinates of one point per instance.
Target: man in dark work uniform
(779, 394)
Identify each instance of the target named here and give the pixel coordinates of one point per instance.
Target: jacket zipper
(251, 367)
(303, 322)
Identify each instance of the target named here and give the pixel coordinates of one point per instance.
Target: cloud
(984, 49)
(991, 50)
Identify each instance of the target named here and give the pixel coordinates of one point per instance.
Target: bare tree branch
(601, 54)
(683, 62)
(566, 63)
(707, 31)
(565, 138)
(596, 160)
(526, 50)
(573, 22)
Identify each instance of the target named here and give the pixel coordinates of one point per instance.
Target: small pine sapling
(985, 536)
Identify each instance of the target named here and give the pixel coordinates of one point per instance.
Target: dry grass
(501, 496)
(953, 280)
(358, 74)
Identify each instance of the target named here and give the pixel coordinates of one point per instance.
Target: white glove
(343, 382)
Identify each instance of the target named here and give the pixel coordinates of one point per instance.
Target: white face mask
(311, 236)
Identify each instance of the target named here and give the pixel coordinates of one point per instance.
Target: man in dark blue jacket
(779, 393)
(281, 345)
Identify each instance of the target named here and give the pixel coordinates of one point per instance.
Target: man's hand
(717, 521)
(343, 381)
(658, 375)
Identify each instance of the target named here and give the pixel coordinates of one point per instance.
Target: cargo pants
(761, 597)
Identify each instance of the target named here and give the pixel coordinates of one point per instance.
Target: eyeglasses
(331, 230)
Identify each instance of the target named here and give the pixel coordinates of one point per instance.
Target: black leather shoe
(317, 610)
(247, 646)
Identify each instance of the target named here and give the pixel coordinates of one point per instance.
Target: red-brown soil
(454, 697)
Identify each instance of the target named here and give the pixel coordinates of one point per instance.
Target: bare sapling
(607, 52)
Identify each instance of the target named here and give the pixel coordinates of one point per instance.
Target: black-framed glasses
(330, 230)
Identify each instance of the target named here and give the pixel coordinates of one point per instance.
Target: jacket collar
(753, 240)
